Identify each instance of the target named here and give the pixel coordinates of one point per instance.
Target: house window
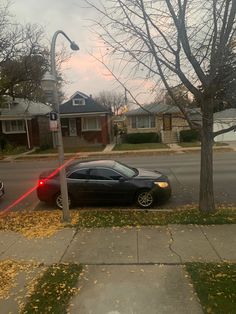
(78, 102)
(143, 122)
(91, 124)
(13, 126)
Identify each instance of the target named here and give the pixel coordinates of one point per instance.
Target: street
(182, 170)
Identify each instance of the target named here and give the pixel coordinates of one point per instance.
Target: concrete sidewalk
(127, 270)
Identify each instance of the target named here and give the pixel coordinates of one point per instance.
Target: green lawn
(126, 146)
(71, 150)
(215, 285)
(53, 290)
(119, 218)
(198, 144)
(189, 144)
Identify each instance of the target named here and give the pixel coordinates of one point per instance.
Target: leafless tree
(113, 101)
(23, 57)
(180, 42)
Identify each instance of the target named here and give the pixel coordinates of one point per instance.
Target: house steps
(169, 137)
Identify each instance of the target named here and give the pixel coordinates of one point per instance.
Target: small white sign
(53, 124)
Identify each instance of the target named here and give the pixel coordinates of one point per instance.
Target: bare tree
(23, 57)
(180, 42)
(113, 101)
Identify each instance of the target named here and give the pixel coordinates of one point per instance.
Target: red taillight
(41, 182)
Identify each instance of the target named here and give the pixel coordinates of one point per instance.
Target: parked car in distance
(105, 181)
(1, 189)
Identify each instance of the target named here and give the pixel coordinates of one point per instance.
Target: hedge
(189, 136)
(138, 138)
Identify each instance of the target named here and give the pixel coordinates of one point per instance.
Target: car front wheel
(145, 199)
(58, 201)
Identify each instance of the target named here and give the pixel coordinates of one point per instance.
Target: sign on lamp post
(53, 121)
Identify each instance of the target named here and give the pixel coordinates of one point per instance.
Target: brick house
(167, 120)
(25, 123)
(85, 122)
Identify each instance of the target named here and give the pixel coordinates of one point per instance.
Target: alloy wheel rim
(145, 199)
(59, 201)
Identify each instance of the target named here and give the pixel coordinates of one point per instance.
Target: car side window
(103, 174)
(79, 174)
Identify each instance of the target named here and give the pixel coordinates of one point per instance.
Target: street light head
(48, 82)
(74, 46)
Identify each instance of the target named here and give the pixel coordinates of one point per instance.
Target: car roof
(92, 164)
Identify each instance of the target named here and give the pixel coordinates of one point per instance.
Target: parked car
(1, 189)
(105, 181)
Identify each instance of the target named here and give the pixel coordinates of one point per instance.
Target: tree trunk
(206, 197)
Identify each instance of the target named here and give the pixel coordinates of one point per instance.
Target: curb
(180, 150)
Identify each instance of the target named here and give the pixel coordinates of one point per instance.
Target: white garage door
(226, 137)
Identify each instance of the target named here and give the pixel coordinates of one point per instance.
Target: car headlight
(162, 184)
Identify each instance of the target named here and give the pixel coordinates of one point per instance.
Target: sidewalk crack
(212, 246)
(5, 251)
(60, 260)
(171, 243)
(137, 246)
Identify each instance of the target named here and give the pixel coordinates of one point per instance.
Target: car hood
(148, 174)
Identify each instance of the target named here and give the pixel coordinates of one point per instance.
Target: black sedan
(105, 181)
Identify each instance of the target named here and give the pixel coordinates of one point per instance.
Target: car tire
(58, 201)
(145, 199)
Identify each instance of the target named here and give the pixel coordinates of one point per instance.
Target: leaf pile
(37, 224)
(8, 272)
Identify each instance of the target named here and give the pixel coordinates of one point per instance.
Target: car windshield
(125, 170)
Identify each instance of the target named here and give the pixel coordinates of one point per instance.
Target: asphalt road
(182, 169)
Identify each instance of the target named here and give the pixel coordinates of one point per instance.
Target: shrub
(13, 149)
(45, 146)
(3, 142)
(138, 138)
(189, 136)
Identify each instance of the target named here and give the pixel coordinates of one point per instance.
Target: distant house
(85, 122)
(25, 123)
(223, 120)
(167, 120)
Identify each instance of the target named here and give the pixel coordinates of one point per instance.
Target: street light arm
(73, 46)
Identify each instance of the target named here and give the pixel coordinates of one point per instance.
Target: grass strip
(40, 224)
(126, 146)
(71, 150)
(119, 218)
(215, 285)
(54, 290)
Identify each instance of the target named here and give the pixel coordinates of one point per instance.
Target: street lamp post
(49, 83)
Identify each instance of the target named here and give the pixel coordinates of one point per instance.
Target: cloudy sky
(82, 71)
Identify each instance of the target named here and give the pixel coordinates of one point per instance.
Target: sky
(81, 71)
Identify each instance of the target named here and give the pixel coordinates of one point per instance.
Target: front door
(167, 122)
(72, 127)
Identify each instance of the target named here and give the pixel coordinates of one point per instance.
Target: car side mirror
(122, 179)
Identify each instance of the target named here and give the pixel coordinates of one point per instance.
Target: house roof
(90, 105)
(25, 107)
(226, 114)
(154, 108)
